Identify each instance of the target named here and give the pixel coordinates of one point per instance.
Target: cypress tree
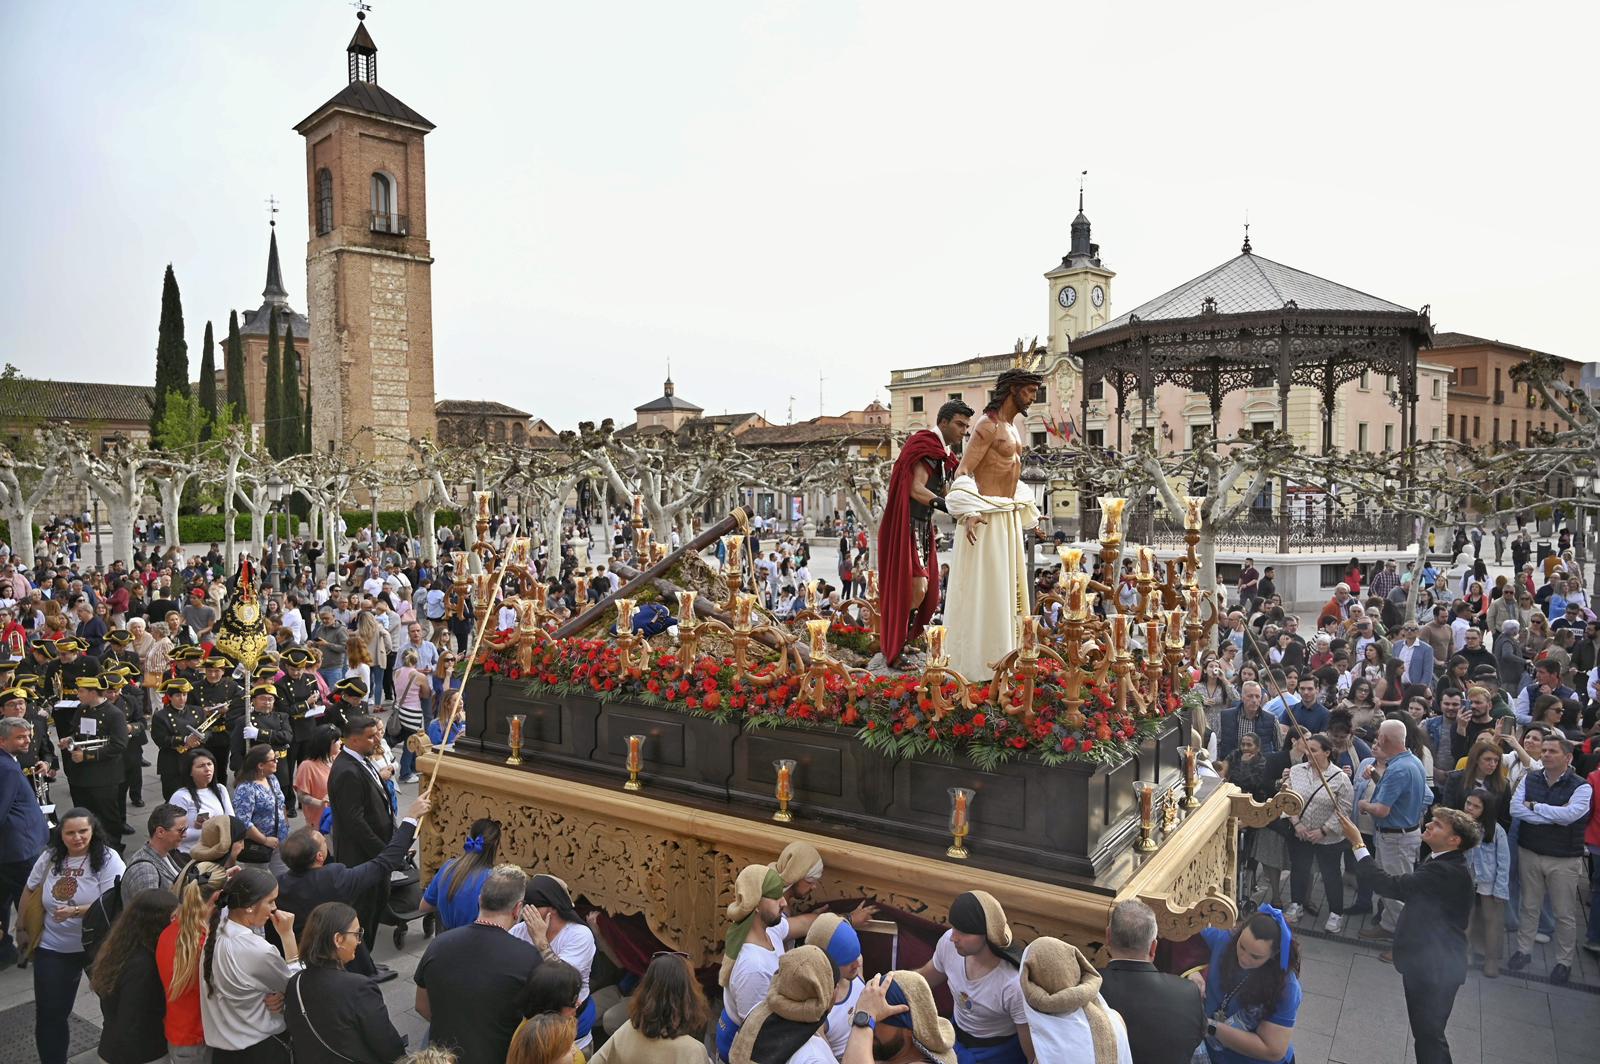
(172, 351)
(289, 406)
(272, 429)
(233, 365)
(305, 442)
(208, 385)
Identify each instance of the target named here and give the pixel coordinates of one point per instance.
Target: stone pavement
(1353, 1013)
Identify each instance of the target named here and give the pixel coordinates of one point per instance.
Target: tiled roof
(257, 322)
(1249, 284)
(668, 402)
(479, 407)
(367, 97)
(76, 401)
(1459, 339)
(808, 432)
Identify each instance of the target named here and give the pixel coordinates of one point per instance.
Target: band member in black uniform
(301, 698)
(38, 761)
(94, 773)
(216, 688)
(186, 663)
(348, 699)
(135, 702)
(175, 730)
(72, 663)
(265, 723)
(38, 661)
(116, 686)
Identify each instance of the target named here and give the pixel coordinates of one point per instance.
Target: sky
(787, 200)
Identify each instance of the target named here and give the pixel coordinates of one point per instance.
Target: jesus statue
(993, 510)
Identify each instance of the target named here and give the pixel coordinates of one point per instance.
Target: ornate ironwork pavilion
(1255, 323)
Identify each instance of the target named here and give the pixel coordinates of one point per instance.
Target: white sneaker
(1293, 912)
(1334, 925)
(1541, 938)
(411, 778)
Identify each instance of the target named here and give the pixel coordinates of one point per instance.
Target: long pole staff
(472, 659)
(1277, 692)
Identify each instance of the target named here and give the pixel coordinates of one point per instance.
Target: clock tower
(1080, 288)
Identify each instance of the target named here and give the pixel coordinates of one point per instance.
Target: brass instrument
(88, 746)
(207, 724)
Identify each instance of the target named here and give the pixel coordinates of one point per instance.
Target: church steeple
(274, 292)
(669, 389)
(363, 53)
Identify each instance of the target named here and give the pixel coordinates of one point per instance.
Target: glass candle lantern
(812, 598)
(936, 655)
(961, 799)
(1175, 629)
(1191, 776)
(635, 762)
(783, 789)
(743, 610)
(624, 616)
(817, 629)
(514, 738)
(1146, 563)
(686, 601)
(1191, 512)
(638, 508)
(1071, 558)
(1119, 633)
(731, 545)
(1146, 793)
(1028, 636)
(1111, 517)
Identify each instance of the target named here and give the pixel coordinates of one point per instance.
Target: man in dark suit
(1430, 935)
(362, 823)
(312, 879)
(1165, 1015)
(24, 832)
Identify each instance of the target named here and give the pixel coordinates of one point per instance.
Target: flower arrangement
(889, 713)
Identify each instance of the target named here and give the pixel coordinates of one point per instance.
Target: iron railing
(1324, 528)
(393, 224)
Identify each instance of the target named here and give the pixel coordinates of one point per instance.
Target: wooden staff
(1287, 708)
(457, 694)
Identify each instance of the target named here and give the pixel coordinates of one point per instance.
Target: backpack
(103, 912)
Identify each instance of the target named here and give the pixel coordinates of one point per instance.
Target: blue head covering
(844, 945)
(1284, 938)
(896, 996)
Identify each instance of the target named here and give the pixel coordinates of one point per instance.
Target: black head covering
(779, 1039)
(971, 916)
(550, 892)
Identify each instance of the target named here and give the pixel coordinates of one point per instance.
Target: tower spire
(274, 292)
(362, 51)
(1246, 248)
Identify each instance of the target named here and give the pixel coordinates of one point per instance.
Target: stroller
(405, 903)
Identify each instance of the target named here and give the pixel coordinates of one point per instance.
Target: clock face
(1098, 296)
(1067, 296)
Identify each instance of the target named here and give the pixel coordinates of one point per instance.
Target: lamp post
(94, 530)
(1588, 487)
(276, 487)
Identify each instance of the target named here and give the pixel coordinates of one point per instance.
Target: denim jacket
(1491, 866)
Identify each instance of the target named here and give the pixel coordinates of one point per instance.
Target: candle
(686, 600)
(1119, 632)
(1152, 639)
(580, 590)
(1111, 517)
(515, 741)
(1077, 603)
(625, 616)
(818, 629)
(1030, 635)
(518, 552)
(1188, 753)
(936, 644)
(743, 605)
(638, 508)
(872, 583)
(1147, 563)
(959, 797)
(658, 551)
(811, 596)
(731, 545)
(483, 498)
(1175, 628)
(1071, 558)
(1194, 604)
(635, 753)
(785, 788)
(1191, 512)
(1147, 792)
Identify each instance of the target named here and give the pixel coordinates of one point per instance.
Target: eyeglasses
(357, 932)
(669, 953)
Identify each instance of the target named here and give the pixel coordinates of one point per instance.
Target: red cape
(895, 551)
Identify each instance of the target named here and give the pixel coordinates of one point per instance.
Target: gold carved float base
(629, 853)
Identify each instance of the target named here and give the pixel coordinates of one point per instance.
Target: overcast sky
(768, 194)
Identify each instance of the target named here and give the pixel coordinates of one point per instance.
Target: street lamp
(276, 488)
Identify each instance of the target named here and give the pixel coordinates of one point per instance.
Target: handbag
(396, 727)
(299, 998)
(30, 920)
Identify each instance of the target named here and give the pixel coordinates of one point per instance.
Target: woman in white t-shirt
(202, 797)
(75, 869)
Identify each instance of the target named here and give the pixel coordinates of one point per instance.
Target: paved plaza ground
(1354, 1011)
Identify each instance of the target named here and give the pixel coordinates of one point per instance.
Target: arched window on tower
(384, 219)
(324, 201)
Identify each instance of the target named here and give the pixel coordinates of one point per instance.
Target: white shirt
(1458, 634)
(990, 1007)
(296, 625)
(574, 944)
(208, 806)
(75, 884)
(245, 969)
(747, 986)
(372, 585)
(839, 1019)
(815, 1051)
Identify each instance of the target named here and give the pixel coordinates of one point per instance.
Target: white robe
(988, 579)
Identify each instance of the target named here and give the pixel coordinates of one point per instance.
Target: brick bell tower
(368, 266)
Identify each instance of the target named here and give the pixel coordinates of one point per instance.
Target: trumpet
(88, 746)
(216, 713)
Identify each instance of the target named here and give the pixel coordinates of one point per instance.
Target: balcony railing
(393, 224)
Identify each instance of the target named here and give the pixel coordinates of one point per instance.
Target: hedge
(208, 528)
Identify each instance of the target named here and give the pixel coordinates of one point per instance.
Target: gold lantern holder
(961, 799)
(745, 631)
(783, 788)
(459, 595)
(531, 632)
(635, 763)
(1145, 792)
(633, 651)
(514, 738)
(733, 567)
(480, 544)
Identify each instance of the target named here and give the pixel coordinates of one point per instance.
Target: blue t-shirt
(1219, 942)
(1404, 789)
(461, 909)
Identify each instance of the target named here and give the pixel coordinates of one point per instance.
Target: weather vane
(361, 8)
(272, 211)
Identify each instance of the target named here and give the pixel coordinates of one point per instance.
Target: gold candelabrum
(743, 632)
(813, 684)
(937, 672)
(531, 631)
(1021, 666)
(633, 651)
(480, 544)
(460, 594)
